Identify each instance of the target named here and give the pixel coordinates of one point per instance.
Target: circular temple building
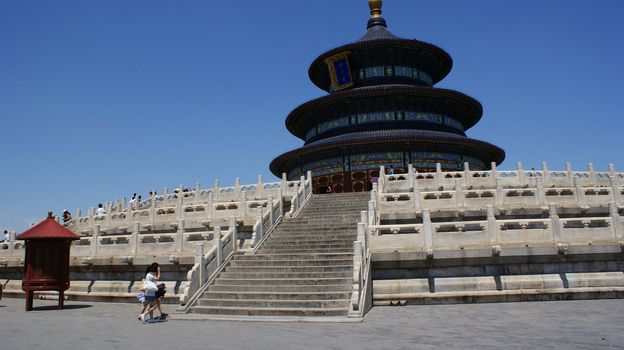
(382, 109)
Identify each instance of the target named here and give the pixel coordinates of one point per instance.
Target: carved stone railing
(361, 296)
(197, 203)
(591, 203)
(491, 179)
(207, 266)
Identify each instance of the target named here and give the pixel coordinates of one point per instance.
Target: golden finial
(375, 8)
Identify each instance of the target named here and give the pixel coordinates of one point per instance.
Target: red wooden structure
(46, 266)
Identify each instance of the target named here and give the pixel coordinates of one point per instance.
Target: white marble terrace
(173, 224)
(492, 213)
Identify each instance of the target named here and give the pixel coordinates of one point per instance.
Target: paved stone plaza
(592, 324)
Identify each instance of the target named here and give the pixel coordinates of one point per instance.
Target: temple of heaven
(382, 109)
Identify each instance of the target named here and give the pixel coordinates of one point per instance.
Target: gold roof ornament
(375, 8)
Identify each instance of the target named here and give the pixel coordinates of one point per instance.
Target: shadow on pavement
(54, 307)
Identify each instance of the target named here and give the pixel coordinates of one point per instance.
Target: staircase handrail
(200, 276)
(303, 194)
(267, 221)
(361, 297)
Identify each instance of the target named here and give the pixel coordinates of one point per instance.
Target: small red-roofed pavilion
(46, 266)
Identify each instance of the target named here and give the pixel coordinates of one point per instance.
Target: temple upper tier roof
(379, 47)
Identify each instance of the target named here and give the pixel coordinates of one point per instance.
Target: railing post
(178, 208)
(364, 216)
(427, 228)
(134, 238)
(197, 193)
(439, 177)
(371, 213)
(521, 175)
(209, 206)
(541, 195)
(179, 239)
(467, 176)
(217, 231)
(493, 173)
(615, 189)
(234, 231)
(491, 224)
(281, 202)
(615, 217)
(258, 227)
(303, 185)
(242, 206)
(611, 169)
(284, 184)
(91, 214)
(579, 192)
(459, 192)
(129, 216)
(410, 172)
(592, 175)
(569, 174)
(215, 190)
(259, 188)
(500, 195)
(555, 223)
(166, 196)
(294, 203)
(545, 176)
(237, 187)
(199, 261)
(309, 175)
(416, 195)
(270, 208)
(95, 238)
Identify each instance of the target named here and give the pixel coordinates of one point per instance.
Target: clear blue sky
(100, 99)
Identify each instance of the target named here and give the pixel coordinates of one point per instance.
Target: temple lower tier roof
(454, 104)
(396, 140)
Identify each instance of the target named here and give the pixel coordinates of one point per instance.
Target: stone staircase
(304, 268)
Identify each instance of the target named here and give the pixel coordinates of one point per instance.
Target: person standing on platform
(100, 210)
(66, 216)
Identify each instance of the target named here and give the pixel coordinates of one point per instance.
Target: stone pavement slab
(591, 324)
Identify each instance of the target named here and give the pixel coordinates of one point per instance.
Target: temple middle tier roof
(460, 107)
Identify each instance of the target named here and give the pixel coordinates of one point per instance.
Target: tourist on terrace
(5, 236)
(66, 216)
(133, 202)
(100, 210)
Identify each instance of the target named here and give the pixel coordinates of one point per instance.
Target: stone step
(285, 269)
(301, 312)
(277, 295)
(306, 245)
(308, 240)
(294, 256)
(352, 236)
(343, 274)
(282, 281)
(281, 288)
(328, 226)
(284, 250)
(275, 303)
(324, 262)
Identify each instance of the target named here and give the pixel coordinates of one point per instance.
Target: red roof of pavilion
(48, 229)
